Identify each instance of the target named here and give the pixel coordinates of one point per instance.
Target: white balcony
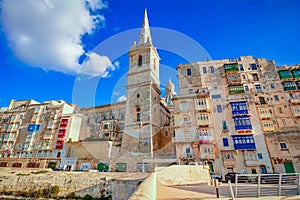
(251, 163)
(203, 122)
(184, 139)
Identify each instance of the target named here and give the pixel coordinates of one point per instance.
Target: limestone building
(238, 114)
(30, 129)
(283, 143)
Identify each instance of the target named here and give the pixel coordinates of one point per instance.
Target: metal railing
(257, 185)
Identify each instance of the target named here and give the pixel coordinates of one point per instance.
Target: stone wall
(173, 175)
(182, 175)
(96, 184)
(147, 189)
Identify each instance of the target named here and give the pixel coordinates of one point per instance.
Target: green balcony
(236, 89)
(285, 74)
(231, 67)
(296, 73)
(289, 86)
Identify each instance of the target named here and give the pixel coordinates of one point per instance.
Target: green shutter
(289, 167)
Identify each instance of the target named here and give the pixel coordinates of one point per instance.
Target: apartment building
(31, 129)
(283, 143)
(216, 114)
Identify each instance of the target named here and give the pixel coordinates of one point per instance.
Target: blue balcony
(243, 142)
(33, 128)
(239, 108)
(242, 123)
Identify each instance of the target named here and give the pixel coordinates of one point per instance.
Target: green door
(211, 167)
(121, 167)
(103, 167)
(289, 167)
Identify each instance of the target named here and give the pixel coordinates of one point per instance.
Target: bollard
(216, 186)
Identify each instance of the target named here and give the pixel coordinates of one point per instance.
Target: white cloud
(47, 33)
(116, 93)
(122, 98)
(96, 65)
(117, 64)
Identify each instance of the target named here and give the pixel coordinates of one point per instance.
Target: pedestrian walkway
(205, 192)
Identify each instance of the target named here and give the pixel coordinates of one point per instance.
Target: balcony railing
(252, 163)
(185, 139)
(295, 101)
(203, 122)
(229, 162)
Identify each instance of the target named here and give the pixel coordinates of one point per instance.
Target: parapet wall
(172, 175)
(96, 184)
(182, 175)
(147, 190)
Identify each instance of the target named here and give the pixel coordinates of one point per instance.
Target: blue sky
(77, 50)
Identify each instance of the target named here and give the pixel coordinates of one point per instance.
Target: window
(246, 88)
(138, 114)
(243, 142)
(225, 142)
(201, 102)
(255, 77)
(276, 97)
(185, 120)
(241, 67)
(138, 96)
(259, 156)
(253, 66)
(216, 96)
(224, 125)
(280, 109)
(212, 69)
(239, 107)
(283, 146)
(191, 91)
(140, 61)
(219, 108)
(258, 88)
(203, 116)
(283, 122)
(262, 100)
(272, 85)
(21, 116)
(242, 123)
(204, 70)
(236, 89)
(166, 133)
(184, 106)
(188, 72)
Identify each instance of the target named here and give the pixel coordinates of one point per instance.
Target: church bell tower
(142, 120)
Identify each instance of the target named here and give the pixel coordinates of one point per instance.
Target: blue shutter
(225, 142)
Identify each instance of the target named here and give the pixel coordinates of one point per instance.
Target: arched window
(138, 113)
(140, 62)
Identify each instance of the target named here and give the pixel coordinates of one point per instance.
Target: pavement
(205, 192)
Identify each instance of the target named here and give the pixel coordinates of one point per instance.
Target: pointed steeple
(145, 33)
(170, 93)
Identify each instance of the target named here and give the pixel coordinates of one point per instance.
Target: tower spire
(145, 32)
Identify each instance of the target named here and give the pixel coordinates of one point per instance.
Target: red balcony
(64, 123)
(60, 145)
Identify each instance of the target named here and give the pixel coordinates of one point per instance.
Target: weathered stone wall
(96, 184)
(182, 175)
(147, 190)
